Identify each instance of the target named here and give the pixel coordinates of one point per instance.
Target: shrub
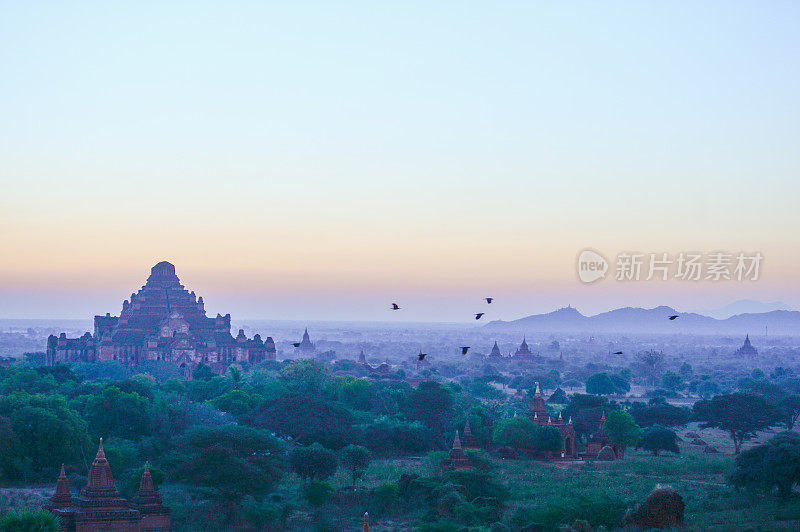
(316, 492)
(29, 521)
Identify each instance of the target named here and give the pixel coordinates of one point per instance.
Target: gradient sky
(321, 159)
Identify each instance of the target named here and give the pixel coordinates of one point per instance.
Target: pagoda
(100, 507)
(599, 439)
(495, 351)
(747, 349)
(524, 352)
(468, 441)
(306, 349)
(155, 516)
(457, 458)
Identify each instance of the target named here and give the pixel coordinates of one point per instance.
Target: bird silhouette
(618, 353)
(395, 307)
(489, 300)
(673, 317)
(479, 315)
(464, 349)
(422, 355)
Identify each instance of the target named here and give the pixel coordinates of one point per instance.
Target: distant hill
(744, 306)
(630, 320)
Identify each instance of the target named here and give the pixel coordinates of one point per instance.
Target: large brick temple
(162, 321)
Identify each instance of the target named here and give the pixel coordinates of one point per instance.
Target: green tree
(234, 460)
(314, 462)
(659, 412)
(515, 432)
(432, 404)
(652, 363)
(236, 376)
(790, 405)
(774, 464)
(548, 439)
(355, 459)
(355, 392)
(656, 438)
(29, 521)
(671, 381)
(739, 414)
(306, 418)
(522, 433)
(236, 402)
(622, 429)
(307, 377)
(600, 384)
(48, 433)
(117, 413)
(622, 384)
(202, 372)
(389, 438)
(559, 397)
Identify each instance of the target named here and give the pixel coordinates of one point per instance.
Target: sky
(320, 160)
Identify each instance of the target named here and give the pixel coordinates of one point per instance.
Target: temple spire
(457, 442)
(538, 392)
(146, 484)
(366, 522)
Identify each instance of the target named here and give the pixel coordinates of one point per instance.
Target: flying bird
(673, 317)
(479, 315)
(422, 355)
(395, 307)
(618, 353)
(464, 349)
(489, 299)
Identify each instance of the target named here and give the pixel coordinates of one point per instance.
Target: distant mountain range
(744, 306)
(631, 320)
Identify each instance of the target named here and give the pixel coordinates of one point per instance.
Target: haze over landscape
(393, 267)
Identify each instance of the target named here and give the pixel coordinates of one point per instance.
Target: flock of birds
(464, 348)
(478, 315)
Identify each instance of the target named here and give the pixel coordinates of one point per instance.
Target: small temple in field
(162, 322)
(539, 414)
(457, 459)
(599, 444)
(99, 507)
